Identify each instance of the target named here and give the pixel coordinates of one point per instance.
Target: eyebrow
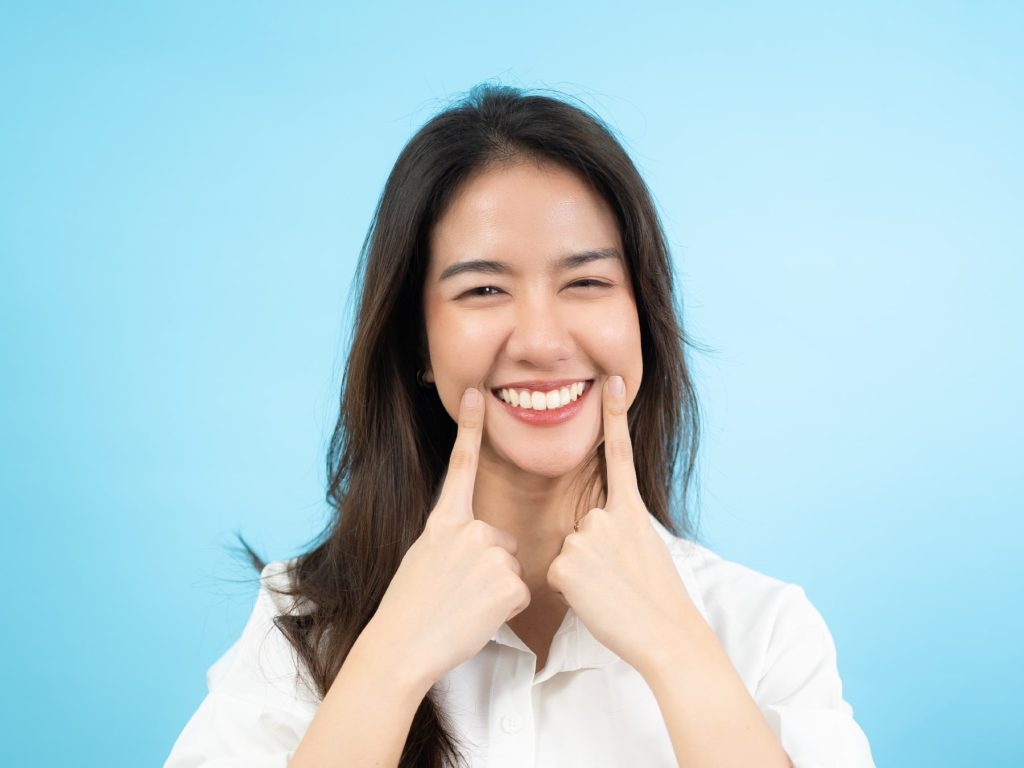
(490, 267)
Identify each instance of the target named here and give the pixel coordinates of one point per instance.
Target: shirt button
(511, 723)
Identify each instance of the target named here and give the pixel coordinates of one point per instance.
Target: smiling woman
(510, 578)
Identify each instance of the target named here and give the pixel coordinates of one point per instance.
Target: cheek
(461, 354)
(460, 346)
(615, 340)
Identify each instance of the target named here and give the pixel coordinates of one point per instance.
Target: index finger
(461, 475)
(618, 446)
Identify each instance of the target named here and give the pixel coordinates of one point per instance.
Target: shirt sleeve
(258, 705)
(801, 695)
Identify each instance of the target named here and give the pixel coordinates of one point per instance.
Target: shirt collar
(574, 647)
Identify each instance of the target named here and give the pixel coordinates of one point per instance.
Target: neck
(538, 511)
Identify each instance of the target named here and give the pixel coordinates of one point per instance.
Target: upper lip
(542, 386)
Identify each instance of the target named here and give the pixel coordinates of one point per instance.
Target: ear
(424, 354)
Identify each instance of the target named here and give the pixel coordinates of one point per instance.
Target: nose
(541, 336)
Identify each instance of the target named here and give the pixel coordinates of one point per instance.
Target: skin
(535, 322)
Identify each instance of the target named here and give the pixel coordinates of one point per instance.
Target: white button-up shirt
(586, 707)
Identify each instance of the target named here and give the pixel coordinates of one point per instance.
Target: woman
(503, 583)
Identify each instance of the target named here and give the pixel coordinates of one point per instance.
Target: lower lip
(549, 417)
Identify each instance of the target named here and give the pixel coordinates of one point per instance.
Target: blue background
(183, 193)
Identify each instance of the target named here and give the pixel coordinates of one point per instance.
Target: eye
(589, 283)
(483, 290)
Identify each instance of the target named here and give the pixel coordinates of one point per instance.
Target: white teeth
(542, 401)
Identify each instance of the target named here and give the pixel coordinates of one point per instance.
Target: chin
(551, 463)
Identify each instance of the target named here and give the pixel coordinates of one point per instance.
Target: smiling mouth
(543, 400)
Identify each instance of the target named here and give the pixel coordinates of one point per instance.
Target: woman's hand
(615, 572)
(460, 580)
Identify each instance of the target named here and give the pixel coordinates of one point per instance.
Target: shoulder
(259, 701)
(277, 579)
(262, 665)
(725, 585)
(731, 590)
(782, 649)
(753, 614)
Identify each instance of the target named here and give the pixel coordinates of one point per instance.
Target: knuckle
(621, 448)
(525, 592)
(553, 583)
(642, 524)
(616, 406)
(480, 531)
(495, 557)
(471, 418)
(461, 458)
(522, 594)
(434, 527)
(595, 516)
(513, 585)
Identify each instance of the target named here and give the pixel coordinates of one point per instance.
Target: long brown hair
(390, 447)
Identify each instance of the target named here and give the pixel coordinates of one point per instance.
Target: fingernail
(617, 385)
(471, 398)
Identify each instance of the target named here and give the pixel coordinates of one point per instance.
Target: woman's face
(527, 290)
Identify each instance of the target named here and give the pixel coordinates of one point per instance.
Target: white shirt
(586, 707)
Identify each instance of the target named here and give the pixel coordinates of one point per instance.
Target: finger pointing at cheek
(618, 446)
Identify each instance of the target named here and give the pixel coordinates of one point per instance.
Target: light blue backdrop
(183, 192)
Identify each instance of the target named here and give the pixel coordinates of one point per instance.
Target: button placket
(512, 737)
(511, 722)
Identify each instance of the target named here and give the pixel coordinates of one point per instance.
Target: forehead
(523, 213)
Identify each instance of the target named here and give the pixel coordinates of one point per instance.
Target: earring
(422, 380)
